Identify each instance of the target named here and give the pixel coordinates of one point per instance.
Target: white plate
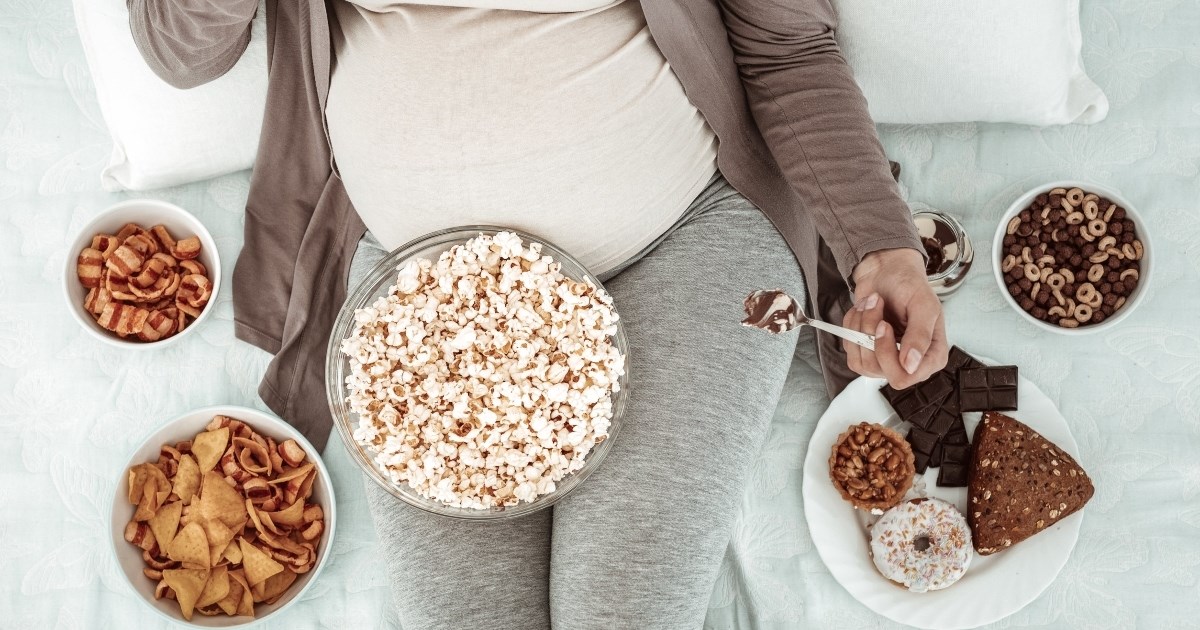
(994, 587)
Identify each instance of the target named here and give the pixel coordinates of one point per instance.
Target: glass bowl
(337, 367)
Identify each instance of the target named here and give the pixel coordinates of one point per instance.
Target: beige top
(571, 126)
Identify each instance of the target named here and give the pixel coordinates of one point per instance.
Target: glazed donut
(922, 545)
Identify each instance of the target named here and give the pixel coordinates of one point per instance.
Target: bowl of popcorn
(478, 373)
(141, 274)
(1072, 258)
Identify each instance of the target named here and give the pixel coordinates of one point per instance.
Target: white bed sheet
(71, 410)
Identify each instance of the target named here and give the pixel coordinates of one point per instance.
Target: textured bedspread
(71, 410)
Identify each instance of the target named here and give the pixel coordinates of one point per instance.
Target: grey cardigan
(793, 130)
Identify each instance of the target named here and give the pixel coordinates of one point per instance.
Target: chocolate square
(937, 387)
(958, 360)
(921, 441)
(935, 457)
(958, 454)
(923, 417)
(946, 417)
(952, 476)
(988, 388)
(921, 461)
(976, 400)
(956, 436)
(908, 406)
(913, 404)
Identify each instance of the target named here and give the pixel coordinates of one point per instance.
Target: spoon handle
(853, 336)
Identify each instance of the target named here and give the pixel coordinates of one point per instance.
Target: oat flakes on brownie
(1020, 484)
(871, 466)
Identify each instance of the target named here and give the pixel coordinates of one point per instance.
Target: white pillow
(917, 61)
(937, 61)
(163, 136)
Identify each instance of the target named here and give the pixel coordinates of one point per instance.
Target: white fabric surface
(944, 61)
(163, 136)
(72, 410)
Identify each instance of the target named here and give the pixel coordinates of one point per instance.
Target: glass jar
(948, 247)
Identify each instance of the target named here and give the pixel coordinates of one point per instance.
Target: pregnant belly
(578, 132)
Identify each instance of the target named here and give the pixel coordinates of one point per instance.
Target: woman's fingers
(939, 351)
(889, 358)
(872, 314)
(923, 320)
(865, 315)
(852, 320)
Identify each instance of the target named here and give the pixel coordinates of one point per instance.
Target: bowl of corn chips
(223, 517)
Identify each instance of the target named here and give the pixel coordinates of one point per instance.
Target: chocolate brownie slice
(1020, 484)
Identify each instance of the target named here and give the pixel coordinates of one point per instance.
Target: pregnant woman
(687, 151)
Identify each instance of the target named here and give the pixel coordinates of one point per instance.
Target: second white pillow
(939, 61)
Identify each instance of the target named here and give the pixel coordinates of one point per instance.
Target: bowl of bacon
(141, 274)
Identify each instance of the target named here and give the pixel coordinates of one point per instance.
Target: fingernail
(872, 301)
(912, 361)
(879, 330)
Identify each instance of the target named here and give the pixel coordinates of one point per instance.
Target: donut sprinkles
(923, 545)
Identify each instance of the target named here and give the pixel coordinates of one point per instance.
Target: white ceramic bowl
(1143, 234)
(129, 557)
(147, 213)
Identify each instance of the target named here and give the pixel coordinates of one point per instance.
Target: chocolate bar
(918, 403)
(952, 475)
(935, 456)
(946, 417)
(959, 359)
(922, 442)
(957, 433)
(988, 388)
(938, 436)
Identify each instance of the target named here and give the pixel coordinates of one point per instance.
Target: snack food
(947, 247)
(919, 403)
(922, 544)
(1071, 258)
(871, 466)
(143, 284)
(224, 520)
(939, 423)
(771, 310)
(485, 378)
(1020, 484)
(989, 388)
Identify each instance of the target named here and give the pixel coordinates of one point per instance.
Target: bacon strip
(90, 267)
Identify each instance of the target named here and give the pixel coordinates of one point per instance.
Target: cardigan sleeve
(814, 120)
(191, 42)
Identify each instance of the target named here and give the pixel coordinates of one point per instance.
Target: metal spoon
(777, 312)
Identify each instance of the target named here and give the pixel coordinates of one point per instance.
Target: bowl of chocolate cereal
(1072, 257)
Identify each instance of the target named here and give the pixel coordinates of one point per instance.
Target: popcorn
(484, 378)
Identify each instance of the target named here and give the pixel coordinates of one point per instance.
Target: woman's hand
(891, 294)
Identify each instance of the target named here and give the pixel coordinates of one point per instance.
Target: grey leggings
(639, 543)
